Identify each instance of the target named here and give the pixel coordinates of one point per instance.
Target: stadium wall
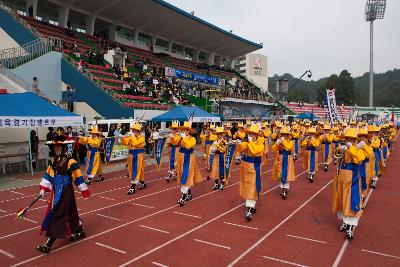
(14, 29)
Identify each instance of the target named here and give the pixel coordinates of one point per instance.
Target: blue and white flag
(331, 103)
(108, 147)
(228, 159)
(70, 149)
(159, 150)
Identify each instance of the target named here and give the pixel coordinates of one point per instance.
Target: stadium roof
(159, 18)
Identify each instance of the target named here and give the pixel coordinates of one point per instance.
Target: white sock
(350, 220)
(286, 185)
(184, 189)
(250, 203)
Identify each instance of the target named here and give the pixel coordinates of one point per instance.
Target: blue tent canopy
(26, 110)
(307, 115)
(182, 113)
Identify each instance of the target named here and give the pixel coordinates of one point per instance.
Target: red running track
(150, 229)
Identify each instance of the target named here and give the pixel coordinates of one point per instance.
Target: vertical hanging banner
(228, 159)
(159, 150)
(332, 109)
(70, 149)
(108, 146)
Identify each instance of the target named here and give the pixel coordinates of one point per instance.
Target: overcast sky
(325, 36)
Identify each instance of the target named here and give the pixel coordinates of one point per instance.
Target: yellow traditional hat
(255, 128)
(352, 122)
(240, 125)
(264, 124)
(220, 130)
(228, 124)
(350, 133)
(312, 130)
(187, 125)
(335, 129)
(344, 124)
(136, 127)
(174, 125)
(296, 127)
(278, 124)
(362, 131)
(371, 128)
(94, 130)
(285, 130)
(326, 127)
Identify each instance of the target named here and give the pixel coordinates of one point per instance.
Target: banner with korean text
(332, 109)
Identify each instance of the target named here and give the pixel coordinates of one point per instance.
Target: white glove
(280, 140)
(343, 147)
(213, 149)
(238, 160)
(250, 138)
(361, 144)
(204, 155)
(42, 193)
(238, 141)
(183, 135)
(171, 135)
(349, 144)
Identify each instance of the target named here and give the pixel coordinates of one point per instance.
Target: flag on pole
(228, 159)
(108, 146)
(159, 150)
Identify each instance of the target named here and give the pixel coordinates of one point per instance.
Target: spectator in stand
(34, 147)
(75, 50)
(70, 97)
(35, 85)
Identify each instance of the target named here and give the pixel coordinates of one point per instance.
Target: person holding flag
(346, 186)
(61, 220)
(283, 169)
(173, 143)
(93, 161)
(218, 150)
(326, 139)
(310, 144)
(250, 169)
(186, 167)
(136, 144)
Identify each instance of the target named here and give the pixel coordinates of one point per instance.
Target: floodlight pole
(371, 63)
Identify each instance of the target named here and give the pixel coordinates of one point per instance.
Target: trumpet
(151, 140)
(338, 153)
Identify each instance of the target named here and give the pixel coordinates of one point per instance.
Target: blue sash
(92, 151)
(186, 163)
(296, 145)
(58, 182)
(363, 174)
(326, 150)
(221, 164)
(336, 144)
(211, 160)
(172, 158)
(377, 159)
(285, 165)
(355, 186)
(257, 166)
(206, 143)
(312, 158)
(384, 152)
(134, 153)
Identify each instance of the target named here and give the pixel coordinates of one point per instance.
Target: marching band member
(296, 138)
(266, 133)
(250, 170)
(326, 140)
(218, 149)
(204, 140)
(240, 134)
(310, 144)
(62, 220)
(365, 166)
(93, 161)
(174, 140)
(375, 144)
(346, 186)
(136, 143)
(384, 144)
(211, 139)
(283, 169)
(186, 167)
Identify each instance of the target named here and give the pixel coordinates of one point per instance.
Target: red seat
(3, 91)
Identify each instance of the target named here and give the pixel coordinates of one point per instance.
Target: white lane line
(12, 199)
(30, 220)
(107, 198)
(212, 244)
(287, 262)
(189, 215)
(154, 229)
(3, 211)
(243, 226)
(382, 254)
(108, 217)
(114, 249)
(346, 242)
(18, 193)
(277, 226)
(159, 264)
(308, 239)
(141, 205)
(7, 254)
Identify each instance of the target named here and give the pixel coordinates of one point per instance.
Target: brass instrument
(385, 135)
(338, 153)
(151, 140)
(222, 145)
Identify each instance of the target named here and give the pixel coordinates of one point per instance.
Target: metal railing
(16, 56)
(21, 21)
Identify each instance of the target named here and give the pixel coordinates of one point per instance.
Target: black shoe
(168, 177)
(182, 200)
(325, 167)
(88, 181)
(343, 227)
(78, 235)
(142, 185)
(350, 232)
(43, 248)
(100, 179)
(131, 190)
(311, 179)
(373, 183)
(221, 187)
(216, 185)
(284, 193)
(294, 157)
(249, 213)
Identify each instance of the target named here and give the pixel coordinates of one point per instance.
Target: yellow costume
(173, 145)
(93, 161)
(218, 151)
(310, 161)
